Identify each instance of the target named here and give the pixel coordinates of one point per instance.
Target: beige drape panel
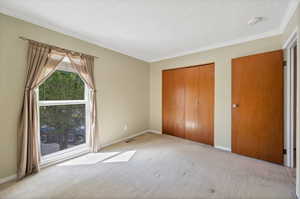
(41, 63)
(84, 65)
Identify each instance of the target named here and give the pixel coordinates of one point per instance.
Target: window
(63, 119)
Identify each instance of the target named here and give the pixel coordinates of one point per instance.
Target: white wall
(122, 86)
(222, 59)
(294, 24)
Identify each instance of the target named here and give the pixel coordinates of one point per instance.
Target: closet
(188, 103)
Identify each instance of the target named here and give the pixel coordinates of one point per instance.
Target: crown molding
(222, 44)
(52, 27)
(291, 39)
(293, 5)
(289, 14)
(34, 20)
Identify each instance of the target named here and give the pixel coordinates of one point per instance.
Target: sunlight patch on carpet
(91, 158)
(122, 157)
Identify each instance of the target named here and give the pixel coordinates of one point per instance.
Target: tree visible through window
(62, 85)
(63, 104)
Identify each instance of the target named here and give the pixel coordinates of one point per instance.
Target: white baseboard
(14, 177)
(8, 179)
(217, 147)
(223, 148)
(155, 131)
(124, 139)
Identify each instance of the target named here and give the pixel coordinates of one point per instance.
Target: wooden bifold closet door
(257, 111)
(188, 103)
(173, 102)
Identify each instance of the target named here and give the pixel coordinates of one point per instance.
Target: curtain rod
(26, 39)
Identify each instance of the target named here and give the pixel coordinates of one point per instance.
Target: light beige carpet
(154, 166)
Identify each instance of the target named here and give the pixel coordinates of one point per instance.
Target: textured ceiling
(155, 29)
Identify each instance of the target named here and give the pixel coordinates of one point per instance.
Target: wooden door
(257, 112)
(173, 102)
(199, 103)
(188, 103)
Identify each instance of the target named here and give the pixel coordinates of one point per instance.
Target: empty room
(149, 99)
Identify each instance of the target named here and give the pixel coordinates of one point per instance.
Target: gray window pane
(61, 127)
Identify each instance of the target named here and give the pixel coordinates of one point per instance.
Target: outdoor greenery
(62, 124)
(62, 85)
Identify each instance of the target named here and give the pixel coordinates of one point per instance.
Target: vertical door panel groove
(188, 103)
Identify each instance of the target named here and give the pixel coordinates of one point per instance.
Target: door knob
(235, 105)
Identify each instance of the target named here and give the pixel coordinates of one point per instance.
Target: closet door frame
(213, 108)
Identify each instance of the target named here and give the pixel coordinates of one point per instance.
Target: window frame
(52, 158)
